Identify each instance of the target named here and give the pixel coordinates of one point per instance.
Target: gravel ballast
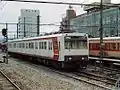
(34, 77)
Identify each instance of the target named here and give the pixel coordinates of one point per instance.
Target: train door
(55, 48)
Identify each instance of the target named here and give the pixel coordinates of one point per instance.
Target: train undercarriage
(61, 65)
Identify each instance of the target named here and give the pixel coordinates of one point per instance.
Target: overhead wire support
(101, 36)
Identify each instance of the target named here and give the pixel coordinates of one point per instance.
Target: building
(89, 22)
(65, 23)
(28, 22)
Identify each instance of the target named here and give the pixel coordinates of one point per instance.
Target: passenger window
(119, 46)
(39, 45)
(23, 45)
(107, 46)
(42, 45)
(32, 45)
(51, 45)
(36, 45)
(26, 45)
(45, 45)
(29, 45)
(111, 46)
(114, 46)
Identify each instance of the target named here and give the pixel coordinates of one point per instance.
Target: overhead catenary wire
(63, 3)
(1, 8)
(52, 24)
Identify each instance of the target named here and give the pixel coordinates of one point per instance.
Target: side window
(14, 45)
(114, 46)
(32, 45)
(119, 46)
(29, 45)
(26, 45)
(39, 45)
(51, 46)
(19, 45)
(10, 45)
(36, 45)
(22, 45)
(45, 45)
(107, 46)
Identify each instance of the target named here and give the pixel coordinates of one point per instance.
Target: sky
(49, 13)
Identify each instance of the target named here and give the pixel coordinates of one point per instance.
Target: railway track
(109, 81)
(6, 83)
(79, 77)
(76, 77)
(112, 70)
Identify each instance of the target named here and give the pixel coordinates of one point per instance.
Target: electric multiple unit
(67, 50)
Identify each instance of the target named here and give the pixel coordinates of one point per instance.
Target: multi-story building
(89, 22)
(65, 23)
(28, 23)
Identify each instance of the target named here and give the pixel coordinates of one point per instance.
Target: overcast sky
(50, 13)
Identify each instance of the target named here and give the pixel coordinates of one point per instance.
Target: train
(62, 50)
(110, 46)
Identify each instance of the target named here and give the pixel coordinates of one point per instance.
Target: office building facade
(90, 22)
(27, 23)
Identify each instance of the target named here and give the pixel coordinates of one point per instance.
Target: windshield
(75, 42)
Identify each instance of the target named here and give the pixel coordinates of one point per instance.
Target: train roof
(48, 36)
(105, 38)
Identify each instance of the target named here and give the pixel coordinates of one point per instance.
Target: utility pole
(101, 36)
(117, 21)
(6, 61)
(24, 28)
(17, 30)
(38, 23)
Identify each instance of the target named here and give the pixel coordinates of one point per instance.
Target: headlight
(83, 58)
(70, 58)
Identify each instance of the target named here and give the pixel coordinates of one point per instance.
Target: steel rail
(97, 78)
(10, 81)
(71, 76)
(77, 78)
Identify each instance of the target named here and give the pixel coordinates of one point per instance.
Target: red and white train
(67, 50)
(111, 48)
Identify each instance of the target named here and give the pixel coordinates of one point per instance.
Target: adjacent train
(64, 50)
(111, 48)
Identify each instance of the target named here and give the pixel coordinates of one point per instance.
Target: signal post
(5, 34)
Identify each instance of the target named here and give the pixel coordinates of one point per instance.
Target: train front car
(74, 50)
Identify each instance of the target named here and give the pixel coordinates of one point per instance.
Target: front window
(75, 42)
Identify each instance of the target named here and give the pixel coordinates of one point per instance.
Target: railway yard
(32, 76)
(42, 52)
